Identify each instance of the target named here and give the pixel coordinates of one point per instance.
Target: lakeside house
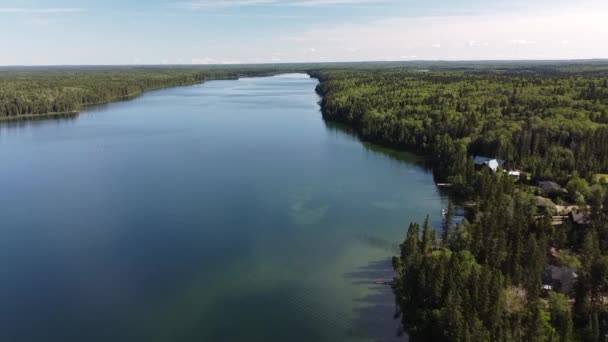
(514, 174)
(549, 187)
(544, 205)
(560, 277)
(493, 164)
(579, 217)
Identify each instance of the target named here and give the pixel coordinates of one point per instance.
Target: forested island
(523, 145)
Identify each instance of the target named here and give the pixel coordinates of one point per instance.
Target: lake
(224, 211)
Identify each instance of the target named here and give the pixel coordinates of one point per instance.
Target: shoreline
(34, 117)
(56, 115)
(128, 97)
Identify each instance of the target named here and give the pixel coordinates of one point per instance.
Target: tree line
(34, 92)
(553, 124)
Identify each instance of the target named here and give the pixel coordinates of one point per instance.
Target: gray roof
(492, 163)
(479, 160)
(549, 186)
(543, 202)
(579, 217)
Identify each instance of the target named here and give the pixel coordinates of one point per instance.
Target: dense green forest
(42, 91)
(482, 280)
(32, 92)
(552, 124)
(508, 272)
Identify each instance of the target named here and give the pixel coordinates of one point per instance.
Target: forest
(33, 92)
(551, 124)
(509, 271)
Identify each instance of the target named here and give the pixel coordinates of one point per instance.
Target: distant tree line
(48, 91)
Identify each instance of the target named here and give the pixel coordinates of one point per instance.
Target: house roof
(480, 160)
(543, 202)
(492, 163)
(579, 217)
(549, 186)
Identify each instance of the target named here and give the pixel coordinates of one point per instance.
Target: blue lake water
(224, 211)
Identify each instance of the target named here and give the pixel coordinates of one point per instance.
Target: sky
(68, 32)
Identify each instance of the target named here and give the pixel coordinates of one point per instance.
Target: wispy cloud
(202, 4)
(521, 42)
(203, 60)
(503, 36)
(318, 3)
(41, 10)
(209, 60)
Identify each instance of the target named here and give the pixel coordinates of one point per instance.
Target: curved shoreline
(83, 106)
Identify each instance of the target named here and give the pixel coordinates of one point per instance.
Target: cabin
(514, 174)
(549, 187)
(544, 205)
(579, 217)
(491, 163)
(560, 277)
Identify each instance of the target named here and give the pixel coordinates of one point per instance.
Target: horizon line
(595, 59)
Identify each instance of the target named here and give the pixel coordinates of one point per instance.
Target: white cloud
(209, 60)
(203, 4)
(502, 36)
(521, 42)
(203, 60)
(474, 43)
(316, 3)
(33, 10)
(547, 31)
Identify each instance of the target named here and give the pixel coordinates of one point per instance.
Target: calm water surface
(225, 211)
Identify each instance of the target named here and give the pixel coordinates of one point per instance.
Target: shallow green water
(225, 211)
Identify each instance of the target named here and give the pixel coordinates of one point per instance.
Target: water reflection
(59, 119)
(403, 156)
(371, 320)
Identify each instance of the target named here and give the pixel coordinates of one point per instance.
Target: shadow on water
(374, 316)
(377, 242)
(393, 154)
(37, 120)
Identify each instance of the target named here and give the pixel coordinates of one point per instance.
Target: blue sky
(43, 32)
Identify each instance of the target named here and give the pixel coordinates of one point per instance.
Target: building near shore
(493, 164)
(549, 187)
